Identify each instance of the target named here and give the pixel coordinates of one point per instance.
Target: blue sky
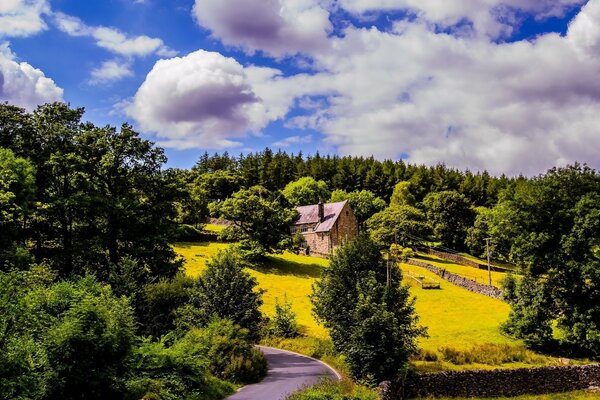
(505, 85)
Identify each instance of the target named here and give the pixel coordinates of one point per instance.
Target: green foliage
(62, 340)
(509, 288)
(306, 191)
(162, 302)
(404, 225)
(402, 195)
(551, 226)
(179, 371)
(364, 203)
(490, 354)
(17, 188)
(400, 253)
(260, 223)
(370, 322)
(231, 353)
(451, 215)
(531, 315)
(225, 290)
(283, 324)
(327, 390)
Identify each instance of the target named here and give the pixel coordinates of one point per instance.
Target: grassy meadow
(461, 325)
(285, 274)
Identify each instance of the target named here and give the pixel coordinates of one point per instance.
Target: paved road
(288, 372)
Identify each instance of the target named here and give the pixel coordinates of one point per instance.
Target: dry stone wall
(465, 283)
(495, 383)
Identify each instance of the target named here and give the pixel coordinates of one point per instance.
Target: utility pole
(487, 250)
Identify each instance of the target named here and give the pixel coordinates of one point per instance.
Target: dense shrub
(188, 233)
(284, 324)
(335, 391)
(231, 354)
(161, 301)
(179, 371)
(66, 340)
(490, 354)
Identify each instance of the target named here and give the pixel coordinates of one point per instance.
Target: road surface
(288, 372)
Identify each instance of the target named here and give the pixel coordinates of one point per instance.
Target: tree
(371, 320)
(551, 227)
(404, 225)
(17, 190)
(402, 195)
(364, 203)
(260, 222)
(226, 291)
(306, 191)
(283, 323)
(451, 215)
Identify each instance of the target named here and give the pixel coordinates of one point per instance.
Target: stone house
(325, 226)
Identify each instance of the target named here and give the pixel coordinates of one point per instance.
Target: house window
(304, 228)
(293, 230)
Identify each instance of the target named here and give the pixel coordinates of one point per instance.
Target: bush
(283, 323)
(187, 233)
(327, 390)
(179, 371)
(230, 353)
(160, 303)
(491, 354)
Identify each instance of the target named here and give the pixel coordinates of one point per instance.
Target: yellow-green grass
(196, 255)
(456, 317)
(478, 275)
(214, 228)
(282, 275)
(578, 395)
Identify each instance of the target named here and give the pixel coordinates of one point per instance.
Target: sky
(509, 86)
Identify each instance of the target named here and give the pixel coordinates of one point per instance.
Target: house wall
(345, 228)
(319, 243)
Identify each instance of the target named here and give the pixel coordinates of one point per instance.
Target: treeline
(274, 170)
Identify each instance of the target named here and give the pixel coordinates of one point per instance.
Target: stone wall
(495, 383)
(465, 283)
(461, 260)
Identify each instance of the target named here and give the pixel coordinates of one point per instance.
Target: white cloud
(110, 71)
(20, 18)
(200, 100)
(490, 17)
(292, 140)
(277, 27)
(465, 100)
(23, 85)
(112, 39)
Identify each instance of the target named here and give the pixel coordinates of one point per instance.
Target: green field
(283, 275)
(578, 395)
(455, 318)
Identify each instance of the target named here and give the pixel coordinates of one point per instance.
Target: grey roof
(310, 215)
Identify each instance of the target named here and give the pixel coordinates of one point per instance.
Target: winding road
(287, 373)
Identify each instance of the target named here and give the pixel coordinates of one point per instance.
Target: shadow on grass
(278, 266)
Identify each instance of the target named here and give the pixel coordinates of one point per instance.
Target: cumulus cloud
(201, 100)
(23, 85)
(111, 71)
(112, 39)
(277, 27)
(413, 91)
(20, 18)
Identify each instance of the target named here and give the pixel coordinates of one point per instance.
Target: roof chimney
(321, 210)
